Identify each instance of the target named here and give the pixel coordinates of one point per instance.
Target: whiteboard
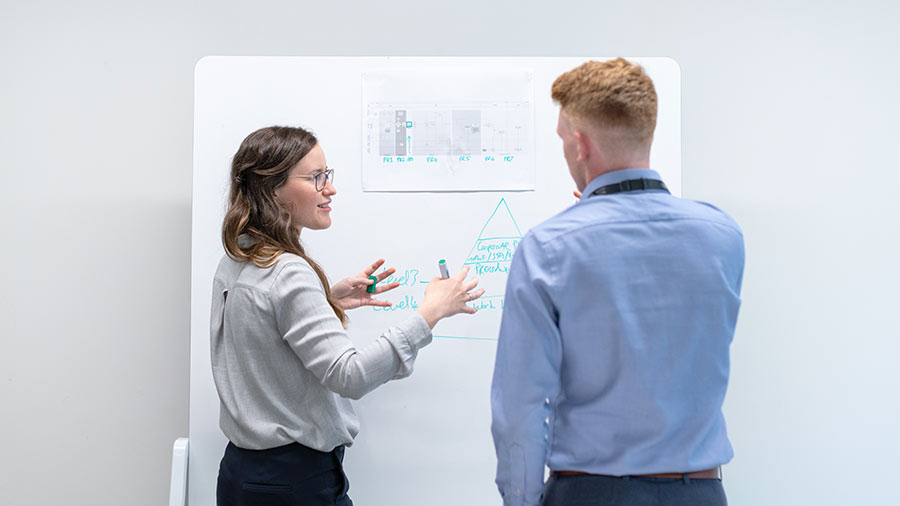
(424, 439)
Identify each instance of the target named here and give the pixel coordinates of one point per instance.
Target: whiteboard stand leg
(178, 484)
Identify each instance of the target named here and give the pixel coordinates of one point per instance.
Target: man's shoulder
(576, 217)
(709, 212)
(570, 218)
(597, 213)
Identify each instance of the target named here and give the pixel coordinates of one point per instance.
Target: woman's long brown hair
(261, 165)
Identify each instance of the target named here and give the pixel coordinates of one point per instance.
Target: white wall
(789, 124)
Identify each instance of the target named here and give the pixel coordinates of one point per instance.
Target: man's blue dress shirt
(613, 354)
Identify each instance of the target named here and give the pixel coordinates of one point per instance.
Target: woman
(283, 365)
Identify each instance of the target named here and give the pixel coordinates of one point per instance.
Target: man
(613, 357)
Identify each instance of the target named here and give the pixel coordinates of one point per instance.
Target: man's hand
(351, 293)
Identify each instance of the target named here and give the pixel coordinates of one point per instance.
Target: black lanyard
(631, 185)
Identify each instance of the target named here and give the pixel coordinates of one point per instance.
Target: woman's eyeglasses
(320, 178)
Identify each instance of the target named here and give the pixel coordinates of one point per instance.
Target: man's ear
(583, 143)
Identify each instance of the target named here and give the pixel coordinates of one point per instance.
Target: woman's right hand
(447, 297)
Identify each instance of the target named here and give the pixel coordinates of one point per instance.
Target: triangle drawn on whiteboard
(497, 241)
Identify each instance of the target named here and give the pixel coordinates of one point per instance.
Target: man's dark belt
(707, 474)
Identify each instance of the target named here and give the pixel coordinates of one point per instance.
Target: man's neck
(598, 170)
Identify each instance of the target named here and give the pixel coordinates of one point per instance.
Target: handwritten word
(488, 303)
(408, 302)
(408, 278)
(493, 251)
(491, 267)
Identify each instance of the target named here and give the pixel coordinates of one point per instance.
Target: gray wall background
(790, 124)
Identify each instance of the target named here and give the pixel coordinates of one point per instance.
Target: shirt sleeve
(526, 376)
(309, 326)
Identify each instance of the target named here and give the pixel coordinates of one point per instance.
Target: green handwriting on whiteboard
(408, 302)
(497, 241)
(407, 278)
(490, 256)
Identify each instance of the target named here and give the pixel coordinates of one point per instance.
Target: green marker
(371, 288)
(442, 265)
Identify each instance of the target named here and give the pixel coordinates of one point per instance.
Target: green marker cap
(442, 265)
(371, 288)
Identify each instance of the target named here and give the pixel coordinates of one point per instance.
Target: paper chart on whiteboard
(448, 130)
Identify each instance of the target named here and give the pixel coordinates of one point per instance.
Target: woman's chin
(320, 224)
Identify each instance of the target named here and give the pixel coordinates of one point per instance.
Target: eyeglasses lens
(322, 178)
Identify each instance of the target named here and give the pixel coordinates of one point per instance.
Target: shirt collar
(617, 176)
(245, 241)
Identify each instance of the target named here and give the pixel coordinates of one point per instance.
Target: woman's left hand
(351, 292)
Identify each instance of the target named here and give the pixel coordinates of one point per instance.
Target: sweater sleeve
(309, 326)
